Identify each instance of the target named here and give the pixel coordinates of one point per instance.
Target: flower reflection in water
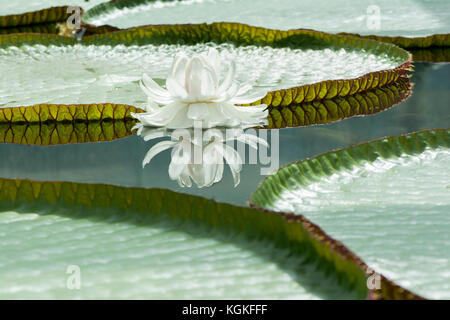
(200, 155)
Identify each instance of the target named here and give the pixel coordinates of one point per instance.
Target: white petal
(176, 79)
(175, 170)
(181, 157)
(234, 161)
(219, 173)
(252, 140)
(175, 89)
(181, 154)
(198, 111)
(228, 94)
(211, 155)
(138, 126)
(236, 178)
(150, 133)
(162, 117)
(244, 89)
(154, 91)
(215, 117)
(211, 74)
(184, 180)
(213, 59)
(181, 120)
(233, 158)
(193, 79)
(249, 98)
(209, 174)
(157, 148)
(201, 80)
(229, 77)
(197, 173)
(151, 106)
(246, 115)
(213, 134)
(152, 85)
(178, 70)
(209, 83)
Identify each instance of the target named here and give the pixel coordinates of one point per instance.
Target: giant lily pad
(338, 108)
(301, 66)
(388, 200)
(303, 114)
(55, 113)
(52, 133)
(177, 246)
(409, 23)
(53, 14)
(18, 7)
(45, 19)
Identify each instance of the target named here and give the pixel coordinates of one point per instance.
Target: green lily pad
(51, 27)
(388, 200)
(48, 20)
(17, 7)
(20, 124)
(151, 243)
(53, 133)
(392, 18)
(331, 110)
(57, 113)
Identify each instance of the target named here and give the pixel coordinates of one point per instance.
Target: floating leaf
(67, 113)
(232, 245)
(434, 48)
(51, 133)
(432, 41)
(310, 113)
(386, 199)
(52, 21)
(422, 25)
(409, 38)
(111, 73)
(330, 110)
(52, 27)
(247, 35)
(54, 14)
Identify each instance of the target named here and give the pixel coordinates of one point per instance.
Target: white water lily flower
(213, 151)
(196, 93)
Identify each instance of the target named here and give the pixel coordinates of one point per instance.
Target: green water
(396, 17)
